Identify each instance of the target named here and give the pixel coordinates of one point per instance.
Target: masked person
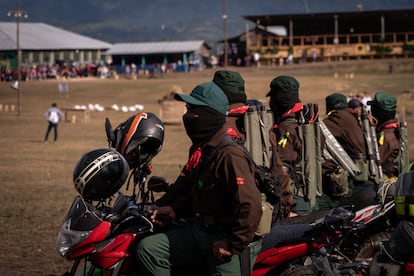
(225, 203)
(286, 105)
(383, 109)
(232, 84)
(340, 188)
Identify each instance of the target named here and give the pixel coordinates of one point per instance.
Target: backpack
(307, 174)
(266, 184)
(264, 181)
(258, 122)
(311, 162)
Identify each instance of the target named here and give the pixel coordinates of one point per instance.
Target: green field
(36, 178)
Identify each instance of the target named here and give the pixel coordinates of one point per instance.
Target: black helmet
(139, 138)
(100, 173)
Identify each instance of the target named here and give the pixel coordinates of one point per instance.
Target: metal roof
(273, 30)
(164, 47)
(40, 36)
(356, 22)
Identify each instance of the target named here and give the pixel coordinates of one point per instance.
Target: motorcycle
(103, 235)
(100, 236)
(343, 248)
(100, 232)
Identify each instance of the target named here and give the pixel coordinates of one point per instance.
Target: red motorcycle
(331, 245)
(103, 226)
(103, 233)
(104, 237)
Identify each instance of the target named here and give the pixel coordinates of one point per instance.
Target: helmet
(139, 138)
(100, 173)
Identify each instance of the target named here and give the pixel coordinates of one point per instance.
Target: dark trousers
(55, 129)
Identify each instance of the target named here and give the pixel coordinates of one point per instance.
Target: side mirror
(109, 133)
(157, 184)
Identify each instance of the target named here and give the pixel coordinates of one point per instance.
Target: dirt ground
(36, 178)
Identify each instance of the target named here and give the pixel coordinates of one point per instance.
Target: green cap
(232, 85)
(206, 94)
(384, 101)
(335, 101)
(284, 84)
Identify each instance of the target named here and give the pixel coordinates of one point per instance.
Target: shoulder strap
(226, 141)
(210, 152)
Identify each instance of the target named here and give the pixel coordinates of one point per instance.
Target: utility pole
(17, 13)
(225, 33)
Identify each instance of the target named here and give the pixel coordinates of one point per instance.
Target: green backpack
(258, 122)
(311, 164)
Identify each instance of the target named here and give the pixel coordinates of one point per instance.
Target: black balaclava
(202, 122)
(281, 102)
(382, 115)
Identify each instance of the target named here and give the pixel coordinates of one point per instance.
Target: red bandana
(194, 159)
(232, 132)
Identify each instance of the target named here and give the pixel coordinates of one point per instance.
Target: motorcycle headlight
(68, 237)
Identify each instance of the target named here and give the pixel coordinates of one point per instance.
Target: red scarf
(194, 159)
(296, 108)
(391, 125)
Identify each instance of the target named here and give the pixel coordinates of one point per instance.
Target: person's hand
(162, 215)
(292, 215)
(221, 251)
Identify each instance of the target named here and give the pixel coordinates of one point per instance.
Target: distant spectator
(256, 59)
(355, 107)
(128, 70)
(213, 61)
(53, 115)
(289, 59)
(314, 56)
(365, 98)
(163, 70)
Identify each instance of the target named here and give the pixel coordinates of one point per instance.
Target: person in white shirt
(53, 115)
